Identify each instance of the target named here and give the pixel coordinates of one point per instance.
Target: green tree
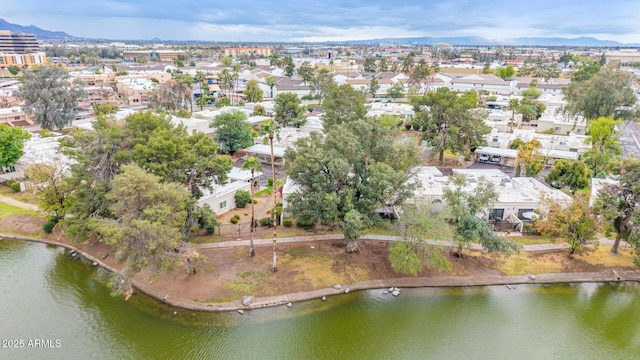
(153, 143)
(168, 96)
(505, 72)
(202, 100)
(342, 104)
(619, 204)
(449, 122)
(51, 182)
(374, 86)
(320, 82)
(13, 70)
(383, 64)
(104, 108)
(605, 145)
(289, 110)
(573, 174)
(396, 91)
(252, 92)
(147, 214)
(271, 81)
(305, 71)
(289, 66)
(242, 198)
(419, 224)
(355, 169)
(528, 157)
(12, 140)
(469, 207)
(254, 165)
(227, 61)
(49, 97)
(577, 223)
(514, 105)
(233, 131)
(272, 130)
(369, 65)
(602, 95)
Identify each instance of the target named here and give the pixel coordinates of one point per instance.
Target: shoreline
(608, 275)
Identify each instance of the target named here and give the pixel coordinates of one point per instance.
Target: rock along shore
(609, 275)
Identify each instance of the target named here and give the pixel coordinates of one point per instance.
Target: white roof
(510, 153)
(240, 174)
(558, 154)
(221, 190)
(261, 149)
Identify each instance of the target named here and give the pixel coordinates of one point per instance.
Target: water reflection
(49, 295)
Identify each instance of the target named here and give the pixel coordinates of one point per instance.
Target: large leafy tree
(169, 96)
(271, 81)
(342, 104)
(469, 207)
(252, 92)
(254, 165)
(577, 223)
(233, 131)
(348, 174)
(289, 110)
(449, 121)
(419, 224)
(529, 157)
(150, 141)
(320, 82)
(396, 91)
(620, 205)
(305, 71)
(604, 94)
(147, 216)
(12, 140)
(573, 174)
(49, 97)
(605, 145)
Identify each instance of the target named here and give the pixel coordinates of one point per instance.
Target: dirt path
(16, 203)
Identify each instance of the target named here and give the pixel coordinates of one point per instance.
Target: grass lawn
(7, 210)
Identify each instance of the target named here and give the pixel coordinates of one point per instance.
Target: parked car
(483, 157)
(495, 159)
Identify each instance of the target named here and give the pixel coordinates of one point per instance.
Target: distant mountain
(39, 33)
(479, 41)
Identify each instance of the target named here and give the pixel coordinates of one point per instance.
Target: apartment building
(161, 55)
(256, 51)
(14, 116)
(22, 60)
(17, 43)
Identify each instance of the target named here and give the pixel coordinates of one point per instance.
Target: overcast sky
(312, 20)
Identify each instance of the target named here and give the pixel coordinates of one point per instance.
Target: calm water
(44, 295)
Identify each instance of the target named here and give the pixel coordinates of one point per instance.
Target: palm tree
(271, 129)
(236, 68)
(271, 82)
(202, 100)
(514, 104)
(254, 165)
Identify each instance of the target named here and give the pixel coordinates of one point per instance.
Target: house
(222, 198)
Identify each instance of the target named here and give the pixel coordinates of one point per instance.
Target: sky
(337, 20)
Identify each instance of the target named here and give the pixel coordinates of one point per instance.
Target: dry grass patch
(522, 265)
(602, 256)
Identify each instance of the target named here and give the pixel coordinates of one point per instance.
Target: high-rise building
(17, 43)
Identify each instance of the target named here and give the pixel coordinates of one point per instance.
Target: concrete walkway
(336, 237)
(13, 202)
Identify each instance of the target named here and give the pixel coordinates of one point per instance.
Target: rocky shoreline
(609, 275)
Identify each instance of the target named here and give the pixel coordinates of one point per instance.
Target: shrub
(182, 113)
(270, 182)
(234, 220)
(14, 185)
(305, 223)
(223, 102)
(268, 222)
(242, 198)
(48, 226)
(287, 222)
(236, 216)
(210, 229)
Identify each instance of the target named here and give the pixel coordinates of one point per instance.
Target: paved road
(630, 139)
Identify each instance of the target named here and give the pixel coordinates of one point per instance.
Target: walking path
(13, 202)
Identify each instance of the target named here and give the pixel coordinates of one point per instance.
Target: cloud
(313, 20)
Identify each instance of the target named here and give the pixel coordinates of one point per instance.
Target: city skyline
(315, 21)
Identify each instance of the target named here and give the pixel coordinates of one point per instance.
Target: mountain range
(38, 32)
(427, 40)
